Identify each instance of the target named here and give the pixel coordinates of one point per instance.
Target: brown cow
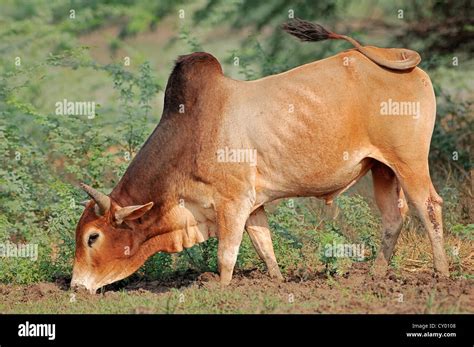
(224, 148)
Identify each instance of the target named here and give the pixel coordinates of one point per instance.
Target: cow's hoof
(274, 272)
(441, 273)
(380, 268)
(208, 277)
(441, 268)
(224, 280)
(277, 277)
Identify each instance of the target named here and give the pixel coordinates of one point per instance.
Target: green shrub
(331, 236)
(41, 165)
(464, 231)
(158, 266)
(358, 222)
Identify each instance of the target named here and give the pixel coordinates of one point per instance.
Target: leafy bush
(40, 167)
(464, 231)
(331, 236)
(292, 226)
(361, 224)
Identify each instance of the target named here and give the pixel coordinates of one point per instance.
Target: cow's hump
(191, 73)
(197, 61)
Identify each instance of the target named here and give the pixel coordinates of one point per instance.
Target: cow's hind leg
(259, 232)
(392, 205)
(416, 183)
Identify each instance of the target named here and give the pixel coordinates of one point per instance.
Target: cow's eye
(92, 238)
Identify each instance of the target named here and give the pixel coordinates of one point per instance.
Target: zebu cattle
(224, 148)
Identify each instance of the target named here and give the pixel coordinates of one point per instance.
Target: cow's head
(107, 241)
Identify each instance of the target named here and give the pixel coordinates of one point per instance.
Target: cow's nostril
(79, 288)
(74, 285)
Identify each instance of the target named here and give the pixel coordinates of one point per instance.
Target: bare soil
(252, 291)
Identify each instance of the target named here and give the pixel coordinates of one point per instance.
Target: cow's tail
(398, 59)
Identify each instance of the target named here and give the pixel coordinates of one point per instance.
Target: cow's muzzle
(83, 283)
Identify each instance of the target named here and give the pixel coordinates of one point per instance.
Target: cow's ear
(132, 212)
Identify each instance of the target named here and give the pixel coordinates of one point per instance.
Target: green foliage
(40, 165)
(454, 214)
(359, 221)
(257, 15)
(159, 266)
(464, 231)
(209, 254)
(453, 134)
(193, 43)
(329, 236)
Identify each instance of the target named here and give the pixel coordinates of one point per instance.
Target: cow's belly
(324, 182)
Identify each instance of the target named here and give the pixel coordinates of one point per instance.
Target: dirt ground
(254, 292)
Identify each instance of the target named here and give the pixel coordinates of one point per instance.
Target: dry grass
(413, 252)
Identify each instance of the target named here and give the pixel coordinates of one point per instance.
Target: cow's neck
(146, 177)
(150, 175)
(165, 171)
(159, 173)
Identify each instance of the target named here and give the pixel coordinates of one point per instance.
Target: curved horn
(84, 203)
(102, 200)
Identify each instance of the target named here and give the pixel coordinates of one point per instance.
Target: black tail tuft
(306, 31)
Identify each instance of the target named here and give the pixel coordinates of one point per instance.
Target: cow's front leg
(231, 220)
